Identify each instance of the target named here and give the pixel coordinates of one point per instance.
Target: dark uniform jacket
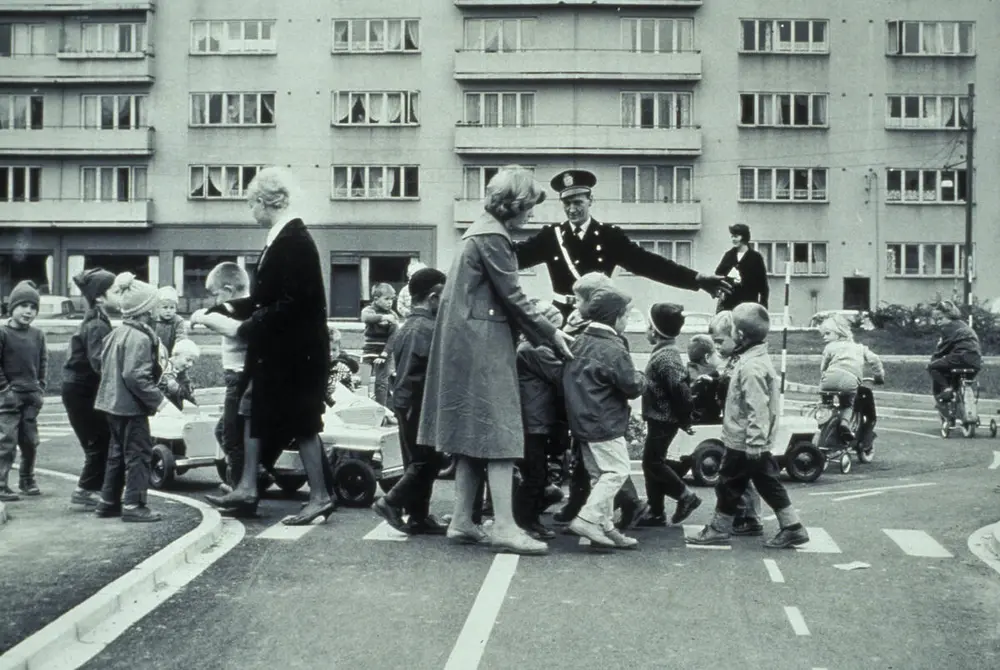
(602, 249)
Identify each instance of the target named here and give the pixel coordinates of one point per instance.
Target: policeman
(582, 244)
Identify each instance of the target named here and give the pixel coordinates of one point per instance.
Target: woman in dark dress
(288, 351)
(745, 268)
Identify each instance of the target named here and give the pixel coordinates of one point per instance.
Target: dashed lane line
(797, 620)
(468, 650)
(773, 571)
(858, 495)
(917, 543)
(879, 488)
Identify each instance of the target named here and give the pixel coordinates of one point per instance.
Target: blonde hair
(228, 274)
(722, 323)
(382, 290)
(753, 320)
(273, 186)
(511, 191)
(186, 347)
(335, 335)
(839, 326)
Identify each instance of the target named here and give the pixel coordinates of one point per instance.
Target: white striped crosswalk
(917, 543)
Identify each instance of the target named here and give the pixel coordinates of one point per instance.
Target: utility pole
(969, 255)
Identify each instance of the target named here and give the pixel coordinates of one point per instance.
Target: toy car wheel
(968, 430)
(993, 427)
(845, 463)
(162, 468)
(866, 453)
(804, 461)
(945, 428)
(290, 484)
(386, 483)
(706, 461)
(354, 482)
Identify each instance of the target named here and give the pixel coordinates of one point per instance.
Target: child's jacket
(750, 418)
(667, 397)
(23, 359)
(598, 383)
(171, 331)
(376, 333)
(83, 364)
(850, 357)
(539, 380)
(130, 369)
(409, 351)
(959, 346)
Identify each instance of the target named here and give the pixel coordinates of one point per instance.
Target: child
(410, 350)
(843, 366)
(403, 305)
(704, 369)
(958, 347)
(748, 428)
(702, 358)
(170, 326)
(539, 374)
(598, 383)
(129, 395)
(380, 323)
(174, 382)
(23, 362)
(666, 408)
(342, 367)
(81, 377)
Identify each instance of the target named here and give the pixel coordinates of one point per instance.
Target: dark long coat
(752, 285)
(471, 404)
(288, 344)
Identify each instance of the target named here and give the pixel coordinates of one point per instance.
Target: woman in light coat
(471, 407)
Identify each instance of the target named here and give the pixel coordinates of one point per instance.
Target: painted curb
(994, 538)
(3, 514)
(43, 646)
(985, 545)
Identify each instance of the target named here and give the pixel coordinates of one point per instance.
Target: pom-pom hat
(134, 297)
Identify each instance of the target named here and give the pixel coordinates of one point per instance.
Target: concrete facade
(570, 67)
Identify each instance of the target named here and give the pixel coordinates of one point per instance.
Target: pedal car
(963, 408)
(185, 439)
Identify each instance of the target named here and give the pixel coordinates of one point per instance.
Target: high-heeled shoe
(303, 519)
(239, 508)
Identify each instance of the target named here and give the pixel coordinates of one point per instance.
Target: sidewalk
(56, 556)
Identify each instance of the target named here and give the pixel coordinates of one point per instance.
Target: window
(21, 112)
(678, 251)
(114, 112)
(656, 183)
(108, 184)
(779, 110)
(808, 258)
(500, 109)
(924, 186)
(656, 110)
(191, 271)
(221, 182)
(657, 35)
(114, 38)
(376, 108)
(476, 177)
(934, 112)
(375, 182)
(925, 260)
(783, 184)
(785, 36)
(376, 36)
(232, 109)
(931, 38)
(499, 35)
(233, 37)
(19, 183)
(21, 39)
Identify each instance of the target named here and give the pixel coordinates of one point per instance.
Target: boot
(26, 482)
(6, 493)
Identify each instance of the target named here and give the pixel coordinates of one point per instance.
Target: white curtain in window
(963, 112)
(948, 112)
(341, 107)
(929, 38)
(746, 184)
(509, 114)
(473, 109)
(509, 33)
(491, 109)
(666, 105)
(685, 38)
(647, 35)
(232, 108)
(527, 109)
(89, 184)
(394, 105)
(682, 253)
(139, 183)
(412, 35)
(340, 30)
(682, 192)
(491, 28)
(948, 38)
(250, 108)
(359, 113)
(376, 36)
(267, 108)
(359, 33)
(664, 184)
(5, 110)
(818, 184)
(765, 186)
(782, 110)
(783, 179)
(473, 181)
(474, 34)
(340, 182)
(819, 110)
(107, 184)
(527, 34)
(357, 182)
(215, 185)
(647, 184)
(765, 36)
(665, 35)
(684, 110)
(20, 112)
(630, 35)
(929, 112)
(394, 41)
(413, 99)
(376, 105)
(376, 183)
(765, 113)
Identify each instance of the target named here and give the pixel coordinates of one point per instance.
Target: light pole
(967, 252)
(871, 184)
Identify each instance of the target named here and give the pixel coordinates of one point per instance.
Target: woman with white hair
(288, 351)
(471, 407)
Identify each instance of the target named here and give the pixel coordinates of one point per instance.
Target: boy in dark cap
(409, 350)
(666, 407)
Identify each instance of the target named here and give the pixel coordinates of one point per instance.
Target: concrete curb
(44, 646)
(985, 545)
(3, 514)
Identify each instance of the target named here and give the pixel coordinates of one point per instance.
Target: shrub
(206, 372)
(916, 321)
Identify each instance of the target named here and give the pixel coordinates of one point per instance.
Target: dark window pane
(35, 183)
(749, 33)
(747, 108)
(6, 42)
(37, 108)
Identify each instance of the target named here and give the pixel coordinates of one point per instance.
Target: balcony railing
(664, 216)
(593, 64)
(76, 141)
(76, 213)
(610, 140)
(78, 68)
(75, 6)
(655, 4)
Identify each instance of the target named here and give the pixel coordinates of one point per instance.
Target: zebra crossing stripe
(280, 531)
(917, 543)
(386, 533)
(691, 530)
(820, 542)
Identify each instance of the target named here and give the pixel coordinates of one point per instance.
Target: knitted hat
(667, 318)
(134, 297)
(167, 294)
(24, 291)
(606, 305)
(423, 281)
(94, 283)
(700, 347)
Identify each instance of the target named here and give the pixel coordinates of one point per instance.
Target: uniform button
(600, 260)
(598, 247)
(577, 262)
(491, 312)
(555, 258)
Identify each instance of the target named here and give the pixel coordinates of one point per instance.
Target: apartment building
(129, 131)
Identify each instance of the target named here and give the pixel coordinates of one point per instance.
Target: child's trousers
(414, 489)
(229, 430)
(609, 461)
(131, 451)
(380, 371)
(735, 474)
(661, 480)
(18, 428)
(91, 428)
(529, 495)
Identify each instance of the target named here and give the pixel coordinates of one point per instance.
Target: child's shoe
(540, 531)
(788, 537)
(106, 510)
(592, 532)
(430, 525)
(29, 486)
(7, 494)
(709, 535)
(392, 515)
(85, 498)
(621, 541)
(140, 514)
(652, 521)
(685, 506)
(748, 526)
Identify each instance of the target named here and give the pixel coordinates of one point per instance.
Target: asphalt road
(349, 594)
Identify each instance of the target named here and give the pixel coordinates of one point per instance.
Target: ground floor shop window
(383, 269)
(18, 266)
(190, 273)
(142, 266)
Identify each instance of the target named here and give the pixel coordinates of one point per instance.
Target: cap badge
(567, 180)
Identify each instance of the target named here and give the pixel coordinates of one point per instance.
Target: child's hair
(585, 286)
(722, 323)
(422, 283)
(753, 320)
(382, 290)
(949, 309)
(700, 348)
(606, 305)
(335, 335)
(549, 311)
(839, 326)
(228, 274)
(167, 294)
(186, 347)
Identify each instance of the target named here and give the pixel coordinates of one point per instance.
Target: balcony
(75, 141)
(69, 68)
(654, 4)
(647, 216)
(74, 213)
(589, 64)
(75, 6)
(584, 140)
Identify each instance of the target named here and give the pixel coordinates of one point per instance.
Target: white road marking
(584, 542)
(468, 649)
(906, 432)
(917, 543)
(880, 488)
(858, 495)
(280, 531)
(819, 542)
(386, 533)
(996, 461)
(773, 571)
(691, 530)
(798, 622)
